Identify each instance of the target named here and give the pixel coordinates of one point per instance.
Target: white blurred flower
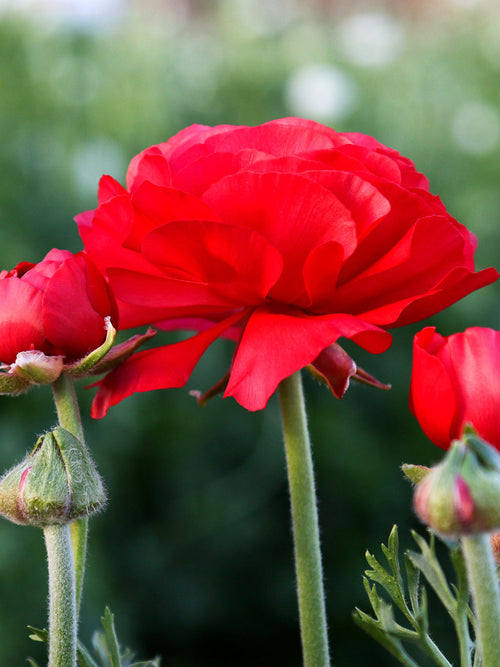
(476, 127)
(371, 39)
(320, 92)
(80, 14)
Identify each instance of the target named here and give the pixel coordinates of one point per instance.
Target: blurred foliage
(194, 552)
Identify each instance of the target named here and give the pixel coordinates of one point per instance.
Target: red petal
(365, 202)
(71, 323)
(170, 297)
(320, 276)
(105, 232)
(236, 263)
(149, 165)
(21, 326)
(276, 343)
(455, 286)
(293, 213)
(406, 209)
(109, 188)
(474, 357)
(154, 206)
(432, 395)
(160, 368)
(414, 268)
(281, 137)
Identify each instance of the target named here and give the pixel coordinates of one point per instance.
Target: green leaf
(428, 564)
(413, 583)
(392, 645)
(84, 658)
(32, 662)
(38, 635)
(113, 649)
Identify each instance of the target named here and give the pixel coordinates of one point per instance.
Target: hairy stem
(305, 524)
(62, 609)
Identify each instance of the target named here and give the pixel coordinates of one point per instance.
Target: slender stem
(68, 413)
(483, 583)
(67, 408)
(305, 524)
(464, 640)
(62, 612)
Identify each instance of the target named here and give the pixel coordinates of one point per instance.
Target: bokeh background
(194, 553)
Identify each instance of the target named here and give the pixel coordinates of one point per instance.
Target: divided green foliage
(105, 644)
(408, 595)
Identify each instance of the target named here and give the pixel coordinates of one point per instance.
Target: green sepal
(120, 353)
(84, 366)
(488, 456)
(12, 384)
(415, 473)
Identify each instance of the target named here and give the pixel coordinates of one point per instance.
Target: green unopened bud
(461, 495)
(56, 484)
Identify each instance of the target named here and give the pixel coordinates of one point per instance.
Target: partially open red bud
(461, 495)
(56, 484)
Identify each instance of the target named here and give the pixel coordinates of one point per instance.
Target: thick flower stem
(305, 524)
(68, 413)
(483, 582)
(62, 610)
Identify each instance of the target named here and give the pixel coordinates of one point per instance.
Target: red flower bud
(52, 315)
(461, 495)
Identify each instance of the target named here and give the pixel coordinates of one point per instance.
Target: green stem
(483, 583)
(305, 524)
(68, 413)
(62, 611)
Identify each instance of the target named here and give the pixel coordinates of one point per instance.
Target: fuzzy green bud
(461, 495)
(56, 484)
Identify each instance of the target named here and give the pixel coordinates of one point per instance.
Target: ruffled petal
(159, 368)
(455, 286)
(155, 206)
(177, 298)
(280, 137)
(276, 342)
(293, 213)
(416, 267)
(149, 166)
(237, 263)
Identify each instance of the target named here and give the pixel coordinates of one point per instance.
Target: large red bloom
(285, 237)
(57, 307)
(456, 381)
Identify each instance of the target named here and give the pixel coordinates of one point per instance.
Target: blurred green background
(194, 551)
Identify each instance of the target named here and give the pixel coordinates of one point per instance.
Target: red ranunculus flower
(456, 381)
(285, 237)
(56, 307)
